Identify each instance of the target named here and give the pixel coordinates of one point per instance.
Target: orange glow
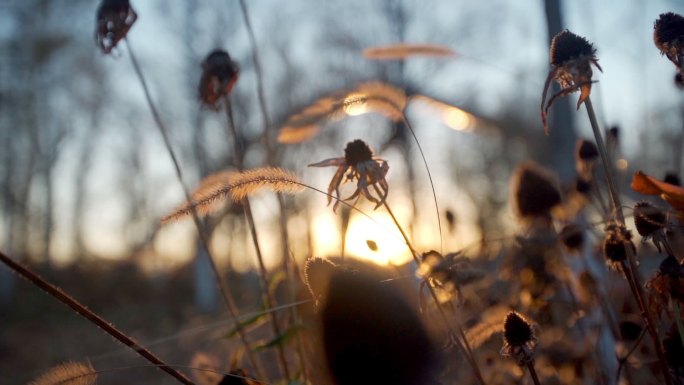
(457, 119)
(354, 104)
(621, 164)
(391, 249)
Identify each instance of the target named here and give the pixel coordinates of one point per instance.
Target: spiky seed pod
(572, 236)
(648, 219)
(672, 178)
(535, 191)
(219, 74)
(357, 152)
(317, 273)
(114, 19)
(586, 150)
(615, 245)
(668, 36)
(567, 46)
(517, 330)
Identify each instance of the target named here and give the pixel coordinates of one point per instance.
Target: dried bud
(586, 150)
(519, 338)
(114, 19)
(615, 245)
(668, 36)
(219, 74)
(535, 191)
(648, 219)
(567, 46)
(572, 236)
(583, 186)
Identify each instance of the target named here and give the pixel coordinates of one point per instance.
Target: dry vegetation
(569, 299)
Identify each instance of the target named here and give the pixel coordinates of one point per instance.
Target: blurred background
(85, 176)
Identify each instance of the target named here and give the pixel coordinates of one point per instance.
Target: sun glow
(364, 233)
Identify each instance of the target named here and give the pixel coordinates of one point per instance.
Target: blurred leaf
(253, 321)
(281, 339)
(648, 185)
(372, 245)
(276, 279)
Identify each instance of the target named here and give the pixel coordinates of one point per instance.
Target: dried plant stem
(678, 318)
(630, 268)
(432, 185)
(462, 341)
(223, 288)
(88, 314)
(238, 151)
(268, 299)
(270, 155)
(533, 372)
(623, 360)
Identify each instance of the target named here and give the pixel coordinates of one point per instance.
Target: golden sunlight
(457, 119)
(354, 104)
(382, 233)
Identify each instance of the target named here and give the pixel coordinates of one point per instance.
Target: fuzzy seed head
(648, 219)
(668, 34)
(317, 273)
(535, 191)
(517, 330)
(357, 152)
(567, 46)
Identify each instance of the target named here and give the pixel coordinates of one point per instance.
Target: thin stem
(631, 272)
(533, 372)
(88, 314)
(623, 360)
(282, 362)
(432, 186)
(462, 341)
(678, 318)
(223, 288)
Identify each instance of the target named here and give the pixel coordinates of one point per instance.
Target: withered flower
(648, 219)
(571, 59)
(668, 36)
(219, 74)
(668, 282)
(447, 273)
(114, 19)
(519, 338)
(363, 167)
(534, 191)
(615, 245)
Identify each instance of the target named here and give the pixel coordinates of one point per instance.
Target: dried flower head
(668, 36)
(586, 150)
(571, 60)
(572, 236)
(583, 186)
(648, 218)
(535, 191)
(114, 19)
(668, 282)
(219, 74)
(363, 167)
(447, 273)
(615, 245)
(672, 178)
(519, 338)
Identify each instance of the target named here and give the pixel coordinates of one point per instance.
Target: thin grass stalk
(283, 225)
(270, 156)
(223, 288)
(282, 362)
(432, 186)
(462, 341)
(622, 361)
(533, 372)
(88, 314)
(630, 268)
